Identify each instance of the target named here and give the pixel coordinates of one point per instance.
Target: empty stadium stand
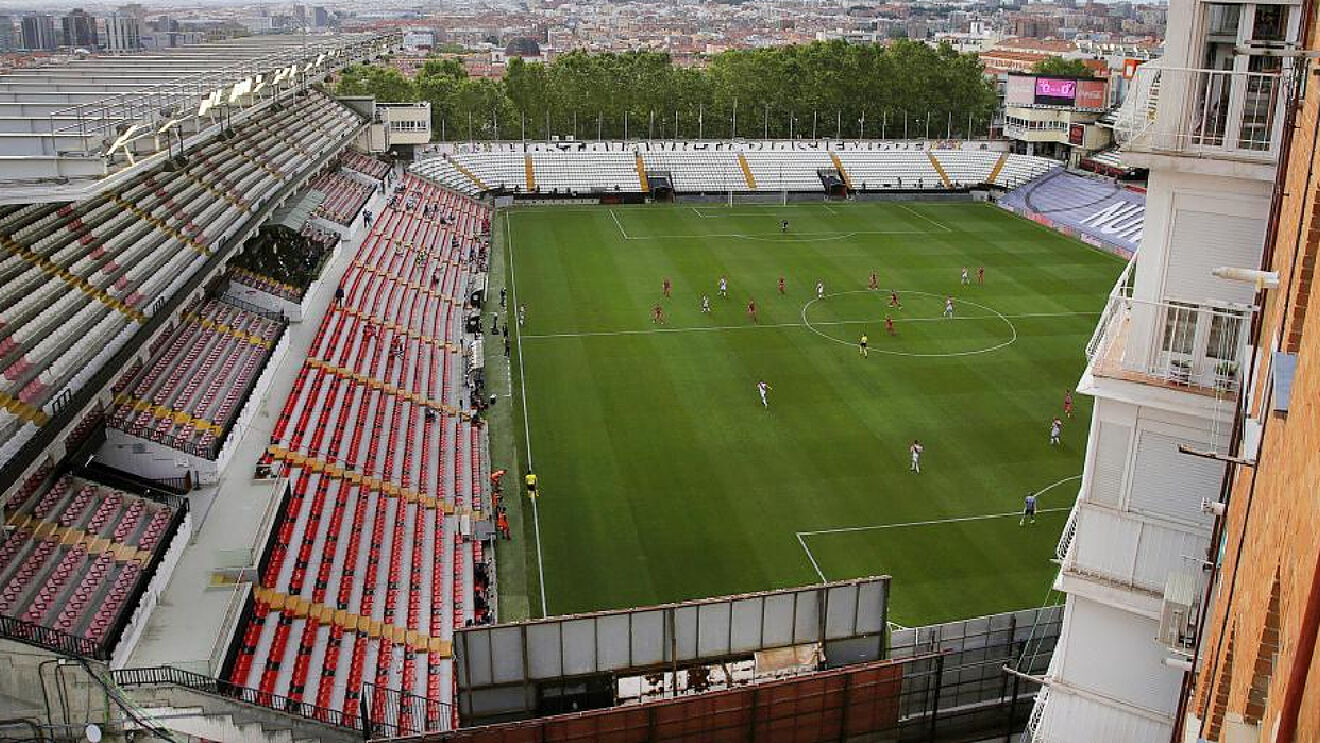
(368, 573)
(76, 557)
(716, 168)
(1094, 209)
(77, 280)
(344, 197)
(190, 392)
(365, 164)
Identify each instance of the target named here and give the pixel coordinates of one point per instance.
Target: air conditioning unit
(1178, 612)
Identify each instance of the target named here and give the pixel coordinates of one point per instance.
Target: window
(1180, 328)
(1225, 329)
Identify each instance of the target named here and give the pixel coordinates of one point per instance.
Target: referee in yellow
(530, 480)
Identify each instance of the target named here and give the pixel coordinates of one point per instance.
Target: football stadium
(320, 424)
(664, 478)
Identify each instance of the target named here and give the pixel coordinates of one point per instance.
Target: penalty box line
(802, 535)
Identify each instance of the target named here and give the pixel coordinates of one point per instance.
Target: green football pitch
(663, 477)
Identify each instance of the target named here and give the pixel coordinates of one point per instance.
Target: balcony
(1203, 113)
(1185, 346)
(1129, 549)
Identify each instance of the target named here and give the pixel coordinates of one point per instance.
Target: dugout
(476, 367)
(477, 291)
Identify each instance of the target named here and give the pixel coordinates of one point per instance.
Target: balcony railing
(1206, 113)
(1158, 547)
(1181, 345)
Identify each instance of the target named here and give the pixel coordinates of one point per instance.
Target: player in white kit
(820, 290)
(705, 303)
(948, 307)
(763, 388)
(724, 287)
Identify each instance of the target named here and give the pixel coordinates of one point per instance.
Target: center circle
(824, 328)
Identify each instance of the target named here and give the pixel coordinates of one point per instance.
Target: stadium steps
(747, 171)
(999, 167)
(641, 174)
(530, 172)
(939, 168)
(359, 585)
(327, 614)
(838, 165)
(480, 185)
(204, 716)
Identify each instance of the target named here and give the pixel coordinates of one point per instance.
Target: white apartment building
(1164, 367)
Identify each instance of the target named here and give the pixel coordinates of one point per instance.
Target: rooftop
(69, 130)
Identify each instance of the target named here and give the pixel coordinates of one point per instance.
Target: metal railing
(1066, 538)
(392, 712)
(52, 639)
(1201, 347)
(1037, 714)
(166, 676)
(1208, 113)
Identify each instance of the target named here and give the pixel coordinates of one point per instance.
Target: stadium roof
(68, 131)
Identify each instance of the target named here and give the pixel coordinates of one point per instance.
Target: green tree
(1061, 67)
(387, 84)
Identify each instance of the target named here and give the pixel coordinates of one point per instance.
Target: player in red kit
(667, 286)
(980, 276)
(893, 299)
(874, 283)
(889, 325)
(1067, 403)
(658, 315)
(751, 310)
(781, 284)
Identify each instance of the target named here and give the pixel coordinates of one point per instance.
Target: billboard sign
(1055, 91)
(1091, 94)
(500, 666)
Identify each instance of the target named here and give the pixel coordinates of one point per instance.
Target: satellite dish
(93, 732)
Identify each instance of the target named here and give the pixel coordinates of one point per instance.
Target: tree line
(823, 89)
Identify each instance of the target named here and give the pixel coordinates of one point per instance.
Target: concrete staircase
(196, 715)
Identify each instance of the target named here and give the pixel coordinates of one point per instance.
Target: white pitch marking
(950, 354)
(708, 328)
(941, 225)
(931, 522)
(619, 224)
(811, 557)
(527, 430)
(802, 535)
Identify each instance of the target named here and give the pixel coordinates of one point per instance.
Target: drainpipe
(1301, 664)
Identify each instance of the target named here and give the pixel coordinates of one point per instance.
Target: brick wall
(1273, 524)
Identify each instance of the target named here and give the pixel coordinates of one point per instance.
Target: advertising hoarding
(1055, 91)
(1091, 94)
